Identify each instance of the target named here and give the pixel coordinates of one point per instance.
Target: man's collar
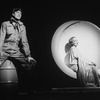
(13, 20)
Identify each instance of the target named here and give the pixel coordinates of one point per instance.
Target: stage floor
(55, 94)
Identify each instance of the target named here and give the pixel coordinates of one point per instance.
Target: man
(86, 70)
(14, 43)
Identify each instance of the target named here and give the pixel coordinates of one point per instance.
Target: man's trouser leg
(26, 72)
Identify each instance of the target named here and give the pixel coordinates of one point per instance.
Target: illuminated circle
(88, 36)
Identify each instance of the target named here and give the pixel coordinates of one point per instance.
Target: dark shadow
(67, 47)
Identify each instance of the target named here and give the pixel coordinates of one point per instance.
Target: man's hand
(31, 60)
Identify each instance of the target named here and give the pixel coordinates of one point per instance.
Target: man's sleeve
(2, 35)
(25, 42)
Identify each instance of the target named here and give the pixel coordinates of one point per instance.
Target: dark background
(41, 20)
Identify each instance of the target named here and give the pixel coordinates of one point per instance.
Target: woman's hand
(92, 63)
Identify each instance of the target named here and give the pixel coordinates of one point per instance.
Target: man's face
(17, 15)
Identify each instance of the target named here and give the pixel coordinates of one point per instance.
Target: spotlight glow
(88, 36)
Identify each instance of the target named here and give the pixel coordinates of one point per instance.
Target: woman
(85, 69)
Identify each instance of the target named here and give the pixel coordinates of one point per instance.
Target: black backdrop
(41, 20)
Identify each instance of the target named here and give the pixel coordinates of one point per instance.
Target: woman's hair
(72, 40)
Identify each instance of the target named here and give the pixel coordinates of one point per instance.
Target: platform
(68, 93)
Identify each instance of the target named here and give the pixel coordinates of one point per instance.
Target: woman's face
(74, 42)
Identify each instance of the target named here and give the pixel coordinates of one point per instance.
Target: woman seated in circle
(85, 69)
